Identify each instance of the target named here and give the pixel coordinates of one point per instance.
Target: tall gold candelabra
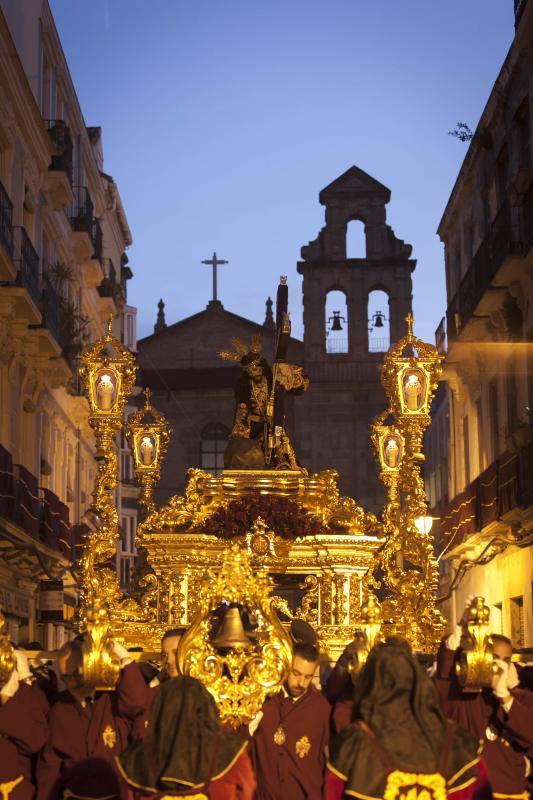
(410, 375)
(107, 372)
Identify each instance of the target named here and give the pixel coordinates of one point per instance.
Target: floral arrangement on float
(288, 519)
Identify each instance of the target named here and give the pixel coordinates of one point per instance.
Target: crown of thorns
(241, 349)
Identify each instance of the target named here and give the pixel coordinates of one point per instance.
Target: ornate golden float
(330, 576)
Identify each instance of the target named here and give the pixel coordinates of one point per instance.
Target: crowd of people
(394, 730)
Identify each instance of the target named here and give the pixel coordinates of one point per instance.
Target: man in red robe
(87, 730)
(500, 716)
(23, 730)
(290, 741)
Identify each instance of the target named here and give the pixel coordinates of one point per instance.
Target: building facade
(480, 447)
(345, 336)
(63, 271)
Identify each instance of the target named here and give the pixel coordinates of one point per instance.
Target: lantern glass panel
(105, 389)
(147, 449)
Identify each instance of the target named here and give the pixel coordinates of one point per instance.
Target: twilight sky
(222, 121)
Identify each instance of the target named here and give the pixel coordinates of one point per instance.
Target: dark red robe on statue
(294, 768)
(79, 756)
(507, 737)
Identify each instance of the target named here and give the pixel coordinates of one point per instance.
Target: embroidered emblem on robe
(109, 736)
(303, 746)
(408, 786)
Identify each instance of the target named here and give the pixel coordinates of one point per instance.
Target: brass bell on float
(231, 633)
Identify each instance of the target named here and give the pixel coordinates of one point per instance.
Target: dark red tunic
(23, 724)
(507, 737)
(295, 768)
(83, 741)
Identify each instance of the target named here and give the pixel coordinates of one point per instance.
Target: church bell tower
(332, 428)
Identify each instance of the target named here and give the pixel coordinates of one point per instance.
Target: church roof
(209, 312)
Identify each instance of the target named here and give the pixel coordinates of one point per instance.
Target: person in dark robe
(399, 744)
(185, 751)
(87, 729)
(500, 715)
(169, 648)
(23, 731)
(290, 740)
(340, 685)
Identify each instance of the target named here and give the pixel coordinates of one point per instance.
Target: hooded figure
(186, 751)
(399, 743)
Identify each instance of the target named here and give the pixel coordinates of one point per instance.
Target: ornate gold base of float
(318, 578)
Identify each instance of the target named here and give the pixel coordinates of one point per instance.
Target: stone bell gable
(355, 195)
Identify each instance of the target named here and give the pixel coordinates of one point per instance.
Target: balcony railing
(62, 144)
(6, 221)
(505, 485)
(81, 211)
(336, 345)
(27, 262)
(498, 244)
(378, 344)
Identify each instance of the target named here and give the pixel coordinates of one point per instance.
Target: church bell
(231, 632)
(378, 323)
(336, 324)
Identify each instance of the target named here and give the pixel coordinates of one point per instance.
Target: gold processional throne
(323, 559)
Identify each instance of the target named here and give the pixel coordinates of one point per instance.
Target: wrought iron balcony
(81, 211)
(498, 244)
(62, 143)
(27, 262)
(6, 221)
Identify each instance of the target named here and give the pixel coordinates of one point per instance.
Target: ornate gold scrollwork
(238, 679)
(475, 668)
(100, 665)
(7, 654)
(368, 635)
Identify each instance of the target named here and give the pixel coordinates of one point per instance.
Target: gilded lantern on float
(148, 435)
(107, 372)
(411, 370)
(390, 445)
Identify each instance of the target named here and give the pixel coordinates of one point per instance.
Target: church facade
(329, 424)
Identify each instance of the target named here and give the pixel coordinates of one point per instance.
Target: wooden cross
(214, 262)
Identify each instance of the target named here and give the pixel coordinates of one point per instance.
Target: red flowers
(285, 517)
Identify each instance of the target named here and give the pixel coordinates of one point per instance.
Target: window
(336, 316)
(517, 621)
(214, 439)
(378, 321)
(355, 239)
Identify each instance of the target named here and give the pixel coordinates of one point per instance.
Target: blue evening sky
(223, 119)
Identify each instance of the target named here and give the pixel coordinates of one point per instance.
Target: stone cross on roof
(214, 262)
